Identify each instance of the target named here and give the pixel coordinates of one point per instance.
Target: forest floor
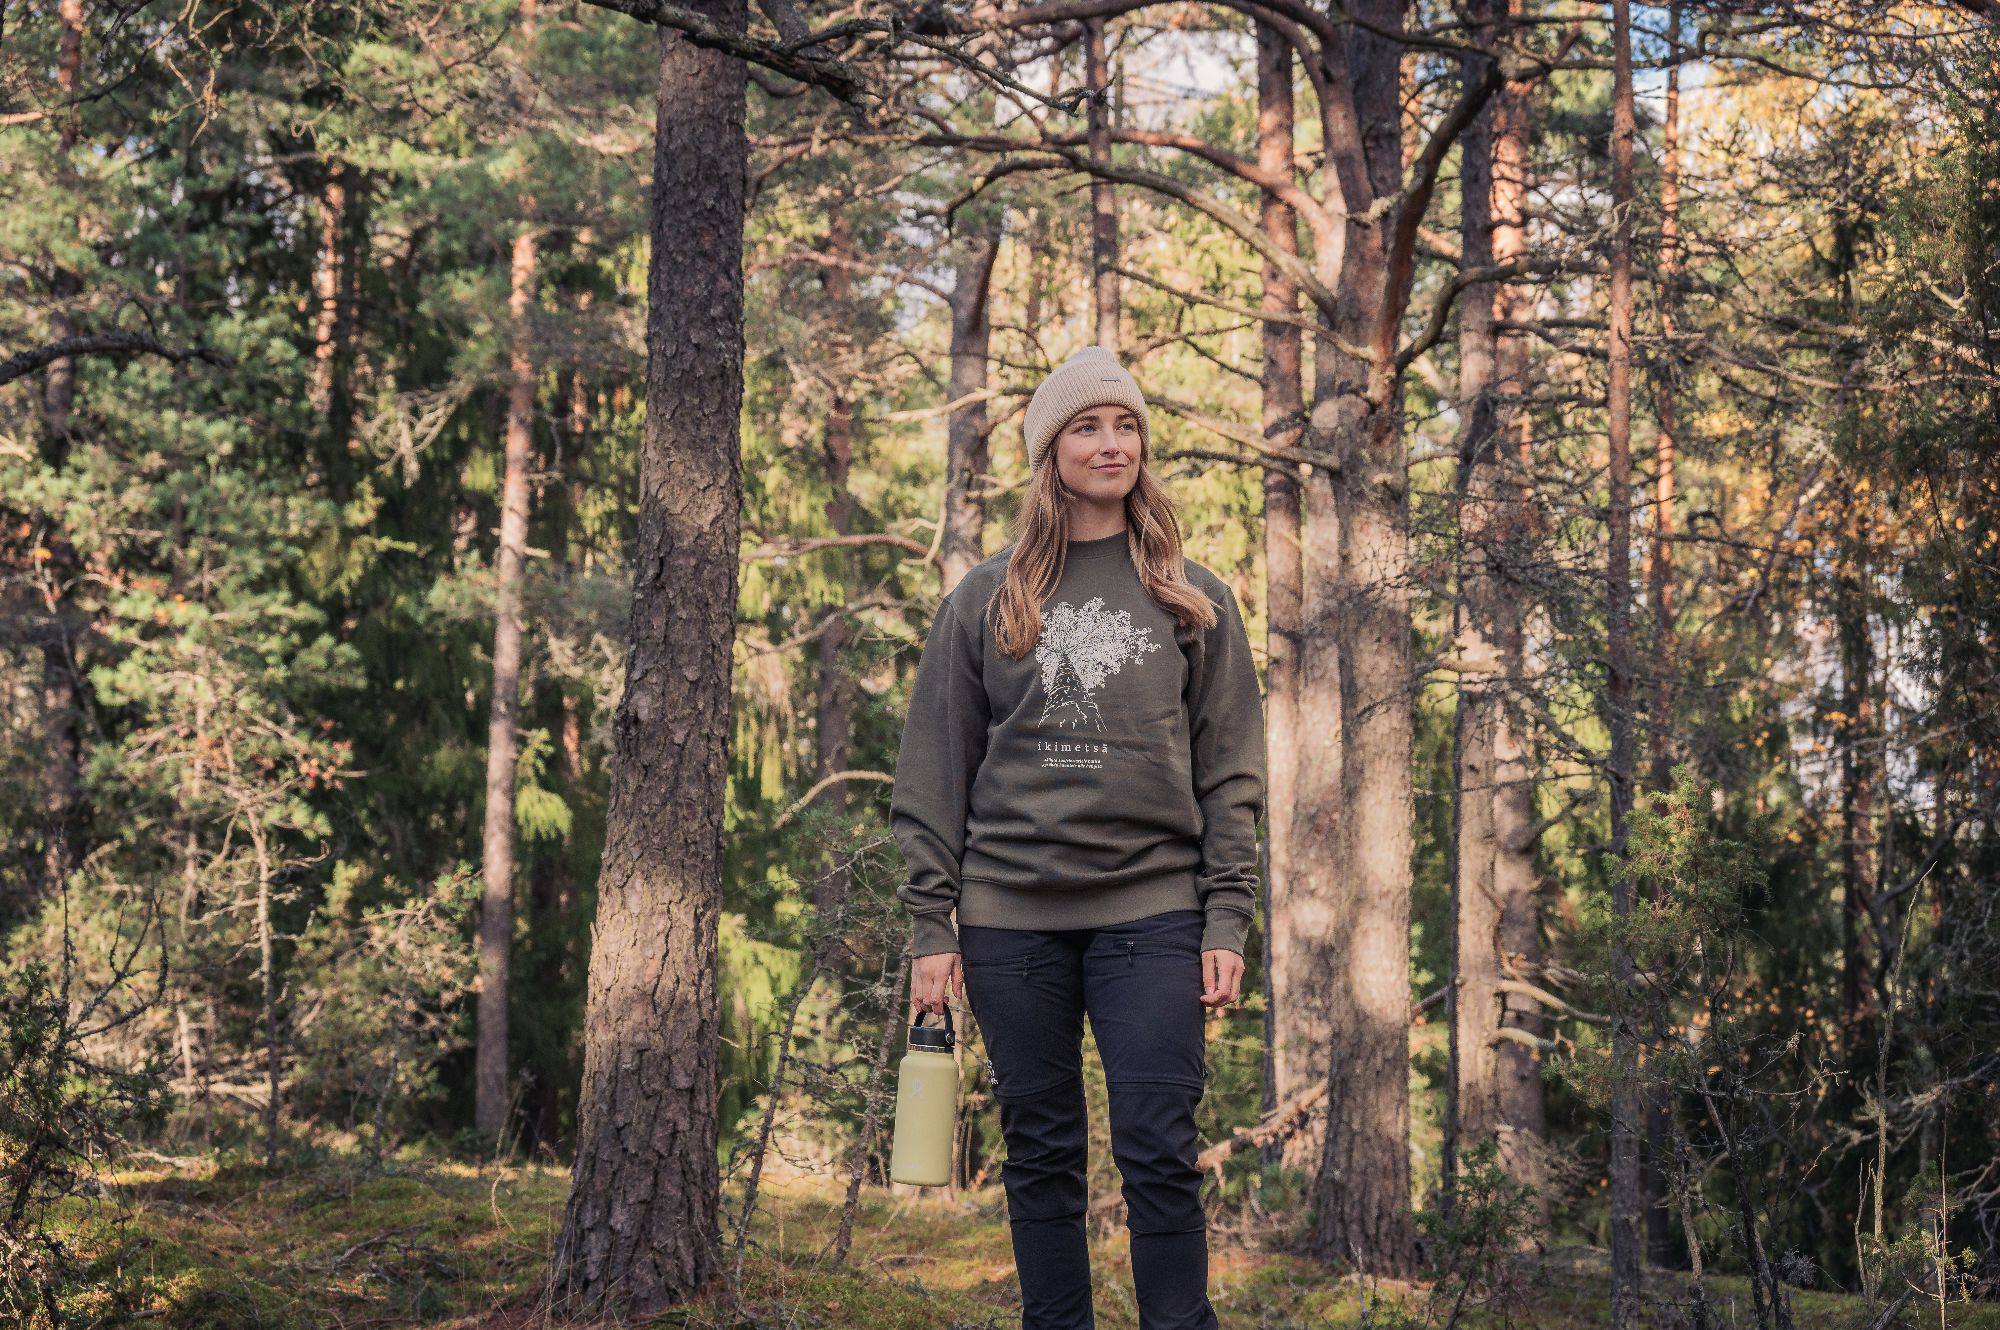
(339, 1246)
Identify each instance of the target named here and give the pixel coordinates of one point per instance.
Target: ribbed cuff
(1224, 930)
(932, 933)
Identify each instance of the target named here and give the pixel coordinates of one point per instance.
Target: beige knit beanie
(1091, 377)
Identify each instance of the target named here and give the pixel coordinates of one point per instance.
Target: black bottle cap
(938, 1037)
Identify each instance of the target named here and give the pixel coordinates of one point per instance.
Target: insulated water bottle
(926, 1106)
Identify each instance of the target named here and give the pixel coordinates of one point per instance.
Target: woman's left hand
(1221, 978)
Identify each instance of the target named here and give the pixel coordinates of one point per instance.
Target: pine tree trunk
(1363, 601)
(503, 725)
(59, 379)
(1295, 1040)
(326, 284)
(61, 691)
(1103, 195)
(833, 729)
(1659, 571)
(267, 983)
(963, 544)
(640, 1229)
(1521, 1105)
(1627, 1194)
(1496, 1085)
(1472, 1002)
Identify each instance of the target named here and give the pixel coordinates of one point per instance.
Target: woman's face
(1097, 454)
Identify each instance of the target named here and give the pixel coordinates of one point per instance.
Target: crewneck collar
(1118, 542)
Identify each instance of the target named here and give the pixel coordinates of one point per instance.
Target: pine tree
(1069, 703)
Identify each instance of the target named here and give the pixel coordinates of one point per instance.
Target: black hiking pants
(1140, 984)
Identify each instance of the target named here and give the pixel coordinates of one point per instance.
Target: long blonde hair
(1041, 536)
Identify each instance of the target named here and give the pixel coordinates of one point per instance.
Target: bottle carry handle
(932, 1037)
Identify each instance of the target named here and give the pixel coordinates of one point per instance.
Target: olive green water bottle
(926, 1106)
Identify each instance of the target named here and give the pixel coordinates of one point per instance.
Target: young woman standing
(1079, 782)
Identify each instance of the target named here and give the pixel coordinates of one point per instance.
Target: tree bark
(327, 285)
(59, 381)
(1472, 1001)
(640, 1229)
(503, 725)
(61, 689)
(1858, 735)
(267, 983)
(833, 728)
(1659, 572)
(1362, 600)
(1495, 1088)
(1859, 776)
(1295, 1007)
(1660, 565)
(1103, 195)
(963, 543)
(1627, 1194)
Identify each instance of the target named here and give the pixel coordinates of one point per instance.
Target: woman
(1079, 782)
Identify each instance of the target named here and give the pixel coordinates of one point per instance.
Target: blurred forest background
(417, 752)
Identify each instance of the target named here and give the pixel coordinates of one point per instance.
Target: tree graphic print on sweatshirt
(1079, 650)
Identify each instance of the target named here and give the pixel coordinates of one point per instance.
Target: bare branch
(102, 344)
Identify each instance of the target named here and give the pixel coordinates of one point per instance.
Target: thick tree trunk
(1307, 907)
(1363, 1195)
(639, 1232)
(1627, 1194)
(1103, 195)
(1496, 1084)
(1295, 1007)
(1365, 1169)
(1521, 1105)
(503, 724)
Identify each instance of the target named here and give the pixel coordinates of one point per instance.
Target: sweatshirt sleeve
(944, 740)
(1226, 738)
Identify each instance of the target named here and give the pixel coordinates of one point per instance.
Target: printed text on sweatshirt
(1114, 772)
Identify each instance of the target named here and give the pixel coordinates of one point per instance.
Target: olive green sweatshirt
(1116, 771)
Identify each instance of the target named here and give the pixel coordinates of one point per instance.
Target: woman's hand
(1221, 978)
(935, 978)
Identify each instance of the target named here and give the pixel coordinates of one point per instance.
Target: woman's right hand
(935, 978)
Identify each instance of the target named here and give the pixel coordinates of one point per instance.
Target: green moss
(227, 1247)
